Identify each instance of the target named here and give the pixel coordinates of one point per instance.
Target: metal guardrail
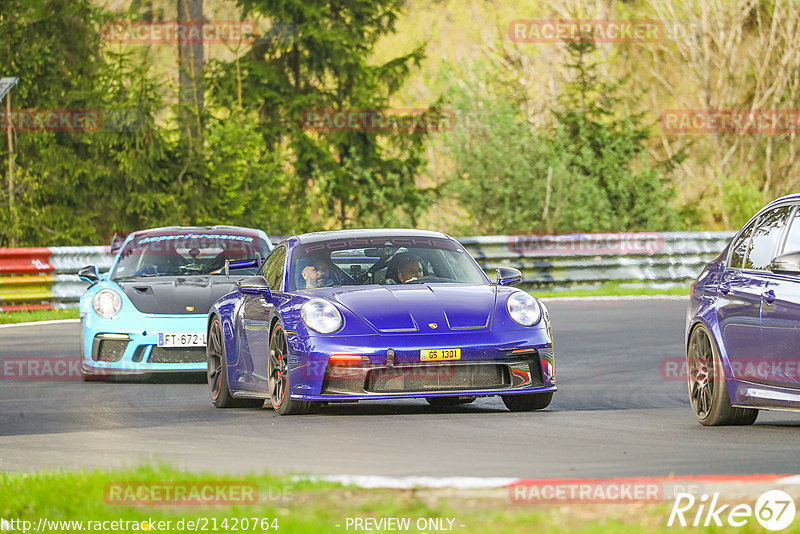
(45, 277)
(585, 260)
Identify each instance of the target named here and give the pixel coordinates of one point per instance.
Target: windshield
(382, 261)
(181, 254)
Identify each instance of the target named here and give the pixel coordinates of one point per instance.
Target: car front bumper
(491, 363)
(129, 345)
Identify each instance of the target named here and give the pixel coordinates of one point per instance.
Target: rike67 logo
(774, 510)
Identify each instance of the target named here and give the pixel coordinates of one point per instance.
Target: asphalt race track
(615, 414)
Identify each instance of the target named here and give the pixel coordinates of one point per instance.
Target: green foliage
(320, 60)
(742, 198)
(601, 178)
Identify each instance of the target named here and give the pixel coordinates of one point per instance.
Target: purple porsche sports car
(743, 322)
(377, 314)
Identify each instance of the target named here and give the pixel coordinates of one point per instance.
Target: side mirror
(786, 263)
(89, 274)
(508, 276)
(254, 285)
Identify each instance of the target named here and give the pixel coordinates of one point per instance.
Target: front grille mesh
(177, 355)
(109, 350)
(438, 377)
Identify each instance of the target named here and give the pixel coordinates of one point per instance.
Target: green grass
(302, 506)
(37, 315)
(611, 290)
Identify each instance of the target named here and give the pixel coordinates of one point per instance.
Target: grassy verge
(611, 290)
(37, 315)
(302, 506)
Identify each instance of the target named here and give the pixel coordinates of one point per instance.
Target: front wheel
(708, 390)
(278, 376)
(217, 373)
(527, 401)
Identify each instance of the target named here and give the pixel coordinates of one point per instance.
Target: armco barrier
(46, 277)
(568, 261)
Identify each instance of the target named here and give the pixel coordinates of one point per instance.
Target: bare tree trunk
(190, 66)
(11, 208)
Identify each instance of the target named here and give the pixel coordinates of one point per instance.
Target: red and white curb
(467, 483)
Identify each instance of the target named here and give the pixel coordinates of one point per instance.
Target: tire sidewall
(285, 404)
(223, 396)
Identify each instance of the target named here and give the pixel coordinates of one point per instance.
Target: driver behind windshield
(409, 269)
(317, 273)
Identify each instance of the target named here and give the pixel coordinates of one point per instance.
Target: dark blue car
(743, 322)
(377, 314)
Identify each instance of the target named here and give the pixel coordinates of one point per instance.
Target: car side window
(792, 243)
(273, 270)
(765, 238)
(739, 247)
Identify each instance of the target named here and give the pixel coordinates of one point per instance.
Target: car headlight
(107, 303)
(523, 308)
(321, 316)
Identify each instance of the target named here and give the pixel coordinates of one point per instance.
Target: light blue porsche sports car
(148, 314)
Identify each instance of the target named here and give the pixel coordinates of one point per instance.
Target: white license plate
(191, 339)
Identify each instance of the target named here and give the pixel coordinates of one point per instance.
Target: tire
(278, 376)
(527, 402)
(708, 389)
(217, 373)
(441, 402)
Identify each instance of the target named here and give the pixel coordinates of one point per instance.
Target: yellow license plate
(439, 354)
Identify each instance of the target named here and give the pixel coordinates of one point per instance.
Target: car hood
(176, 294)
(425, 308)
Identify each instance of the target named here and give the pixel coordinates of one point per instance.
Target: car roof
(793, 196)
(364, 233)
(184, 229)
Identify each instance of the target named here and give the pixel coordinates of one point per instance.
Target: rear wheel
(527, 401)
(439, 402)
(218, 373)
(708, 390)
(278, 375)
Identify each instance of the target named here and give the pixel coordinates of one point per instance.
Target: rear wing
(245, 264)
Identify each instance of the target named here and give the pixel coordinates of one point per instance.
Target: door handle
(769, 296)
(724, 287)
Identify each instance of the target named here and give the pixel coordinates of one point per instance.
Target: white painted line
(35, 323)
(611, 298)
